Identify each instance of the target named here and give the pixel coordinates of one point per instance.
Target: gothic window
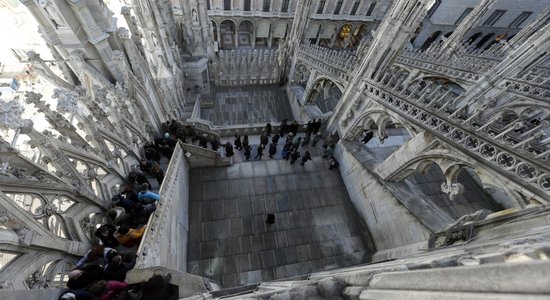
(371, 8)
(208, 4)
(285, 6)
(520, 19)
(45, 209)
(466, 12)
(338, 7)
(493, 18)
(434, 8)
(227, 4)
(354, 8)
(246, 5)
(321, 7)
(267, 4)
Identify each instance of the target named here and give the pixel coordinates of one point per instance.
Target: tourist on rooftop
(147, 196)
(306, 157)
(128, 237)
(268, 129)
(272, 150)
(229, 150)
(105, 235)
(247, 149)
(152, 168)
(284, 128)
(238, 143)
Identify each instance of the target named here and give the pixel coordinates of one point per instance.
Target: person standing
(264, 140)
(305, 158)
(245, 141)
(294, 156)
(260, 152)
(284, 128)
(238, 143)
(247, 152)
(272, 150)
(275, 139)
(268, 129)
(229, 150)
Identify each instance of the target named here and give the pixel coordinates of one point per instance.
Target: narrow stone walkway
(316, 227)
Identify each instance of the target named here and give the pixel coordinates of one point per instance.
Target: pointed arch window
(354, 8)
(246, 5)
(284, 8)
(321, 7)
(371, 8)
(227, 4)
(338, 7)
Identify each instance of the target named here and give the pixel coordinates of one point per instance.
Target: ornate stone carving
(452, 189)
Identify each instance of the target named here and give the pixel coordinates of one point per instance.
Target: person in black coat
(158, 287)
(272, 150)
(84, 276)
(264, 140)
(294, 156)
(118, 267)
(105, 234)
(245, 141)
(305, 158)
(238, 143)
(284, 128)
(268, 129)
(275, 139)
(247, 152)
(229, 150)
(260, 152)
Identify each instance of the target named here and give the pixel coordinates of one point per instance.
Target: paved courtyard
(316, 227)
(248, 104)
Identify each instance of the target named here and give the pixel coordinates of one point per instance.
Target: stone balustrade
(336, 63)
(246, 67)
(474, 64)
(164, 243)
(431, 111)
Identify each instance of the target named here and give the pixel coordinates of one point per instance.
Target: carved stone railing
(164, 243)
(199, 157)
(196, 114)
(334, 63)
(246, 67)
(474, 64)
(530, 170)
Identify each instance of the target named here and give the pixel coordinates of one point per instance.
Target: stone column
(395, 30)
(453, 44)
(535, 26)
(523, 58)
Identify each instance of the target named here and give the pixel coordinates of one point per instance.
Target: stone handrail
(164, 243)
(201, 157)
(196, 114)
(339, 64)
(475, 64)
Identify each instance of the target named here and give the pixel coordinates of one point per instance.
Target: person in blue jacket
(147, 196)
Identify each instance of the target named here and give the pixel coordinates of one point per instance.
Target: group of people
(175, 130)
(101, 273)
(291, 147)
